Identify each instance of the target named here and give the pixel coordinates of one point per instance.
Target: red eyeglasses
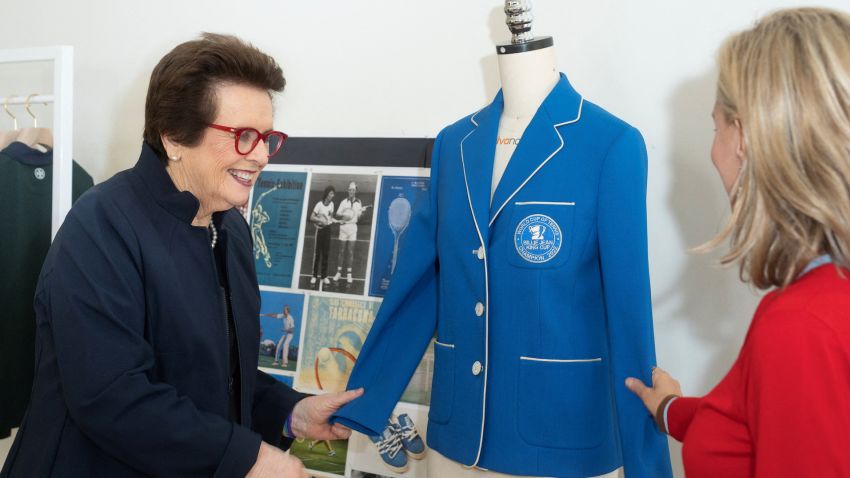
(248, 138)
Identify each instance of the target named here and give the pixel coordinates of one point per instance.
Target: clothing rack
(62, 99)
(23, 100)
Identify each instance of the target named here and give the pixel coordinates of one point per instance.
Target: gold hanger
(7, 137)
(6, 107)
(27, 107)
(35, 137)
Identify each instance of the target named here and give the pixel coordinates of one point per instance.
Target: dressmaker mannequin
(527, 78)
(528, 72)
(539, 296)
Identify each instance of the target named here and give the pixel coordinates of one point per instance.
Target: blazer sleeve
(625, 277)
(93, 304)
(404, 325)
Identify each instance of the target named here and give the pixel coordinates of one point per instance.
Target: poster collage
(326, 242)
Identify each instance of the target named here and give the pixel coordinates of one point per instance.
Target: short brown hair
(181, 99)
(787, 80)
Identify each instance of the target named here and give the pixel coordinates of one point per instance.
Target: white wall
(404, 68)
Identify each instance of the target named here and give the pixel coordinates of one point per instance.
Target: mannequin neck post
(527, 78)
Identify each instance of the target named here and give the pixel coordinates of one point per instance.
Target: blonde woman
(782, 148)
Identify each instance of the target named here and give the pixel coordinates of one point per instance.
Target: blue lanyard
(816, 262)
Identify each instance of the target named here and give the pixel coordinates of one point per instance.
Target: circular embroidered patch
(39, 173)
(538, 238)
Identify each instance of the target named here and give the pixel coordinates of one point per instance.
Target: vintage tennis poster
(400, 198)
(281, 317)
(333, 336)
(275, 218)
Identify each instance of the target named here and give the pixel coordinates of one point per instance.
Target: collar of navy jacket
(181, 204)
(561, 107)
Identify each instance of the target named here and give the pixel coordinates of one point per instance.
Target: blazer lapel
(540, 142)
(477, 151)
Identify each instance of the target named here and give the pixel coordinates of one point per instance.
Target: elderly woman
(147, 304)
(782, 148)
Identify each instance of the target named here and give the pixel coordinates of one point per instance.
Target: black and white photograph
(338, 233)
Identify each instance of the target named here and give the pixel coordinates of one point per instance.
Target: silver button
(479, 309)
(481, 253)
(477, 368)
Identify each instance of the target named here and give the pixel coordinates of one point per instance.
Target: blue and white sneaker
(410, 439)
(389, 447)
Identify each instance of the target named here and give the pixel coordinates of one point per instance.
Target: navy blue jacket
(131, 343)
(540, 300)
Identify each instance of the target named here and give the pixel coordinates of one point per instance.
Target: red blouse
(783, 410)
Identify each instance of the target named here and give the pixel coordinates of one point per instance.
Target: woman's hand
(310, 416)
(663, 384)
(273, 462)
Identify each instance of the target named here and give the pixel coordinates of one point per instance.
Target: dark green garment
(26, 182)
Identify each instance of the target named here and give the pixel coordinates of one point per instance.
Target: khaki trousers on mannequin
(441, 467)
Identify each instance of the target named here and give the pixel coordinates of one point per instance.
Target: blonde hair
(787, 80)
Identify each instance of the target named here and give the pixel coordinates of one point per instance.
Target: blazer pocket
(443, 383)
(563, 403)
(542, 234)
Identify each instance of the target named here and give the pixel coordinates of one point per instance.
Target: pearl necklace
(214, 234)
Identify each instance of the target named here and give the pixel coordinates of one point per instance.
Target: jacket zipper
(227, 319)
(226, 339)
(228, 383)
(237, 358)
(222, 291)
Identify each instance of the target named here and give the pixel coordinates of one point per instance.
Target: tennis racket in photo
(399, 217)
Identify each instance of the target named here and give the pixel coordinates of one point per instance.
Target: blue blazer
(132, 375)
(540, 301)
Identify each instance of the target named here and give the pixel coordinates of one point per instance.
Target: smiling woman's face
(213, 171)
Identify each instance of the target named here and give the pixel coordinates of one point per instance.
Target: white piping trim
(556, 126)
(451, 346)
(544, 203)
(533, 359)
(486, 298)
(472, 118)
